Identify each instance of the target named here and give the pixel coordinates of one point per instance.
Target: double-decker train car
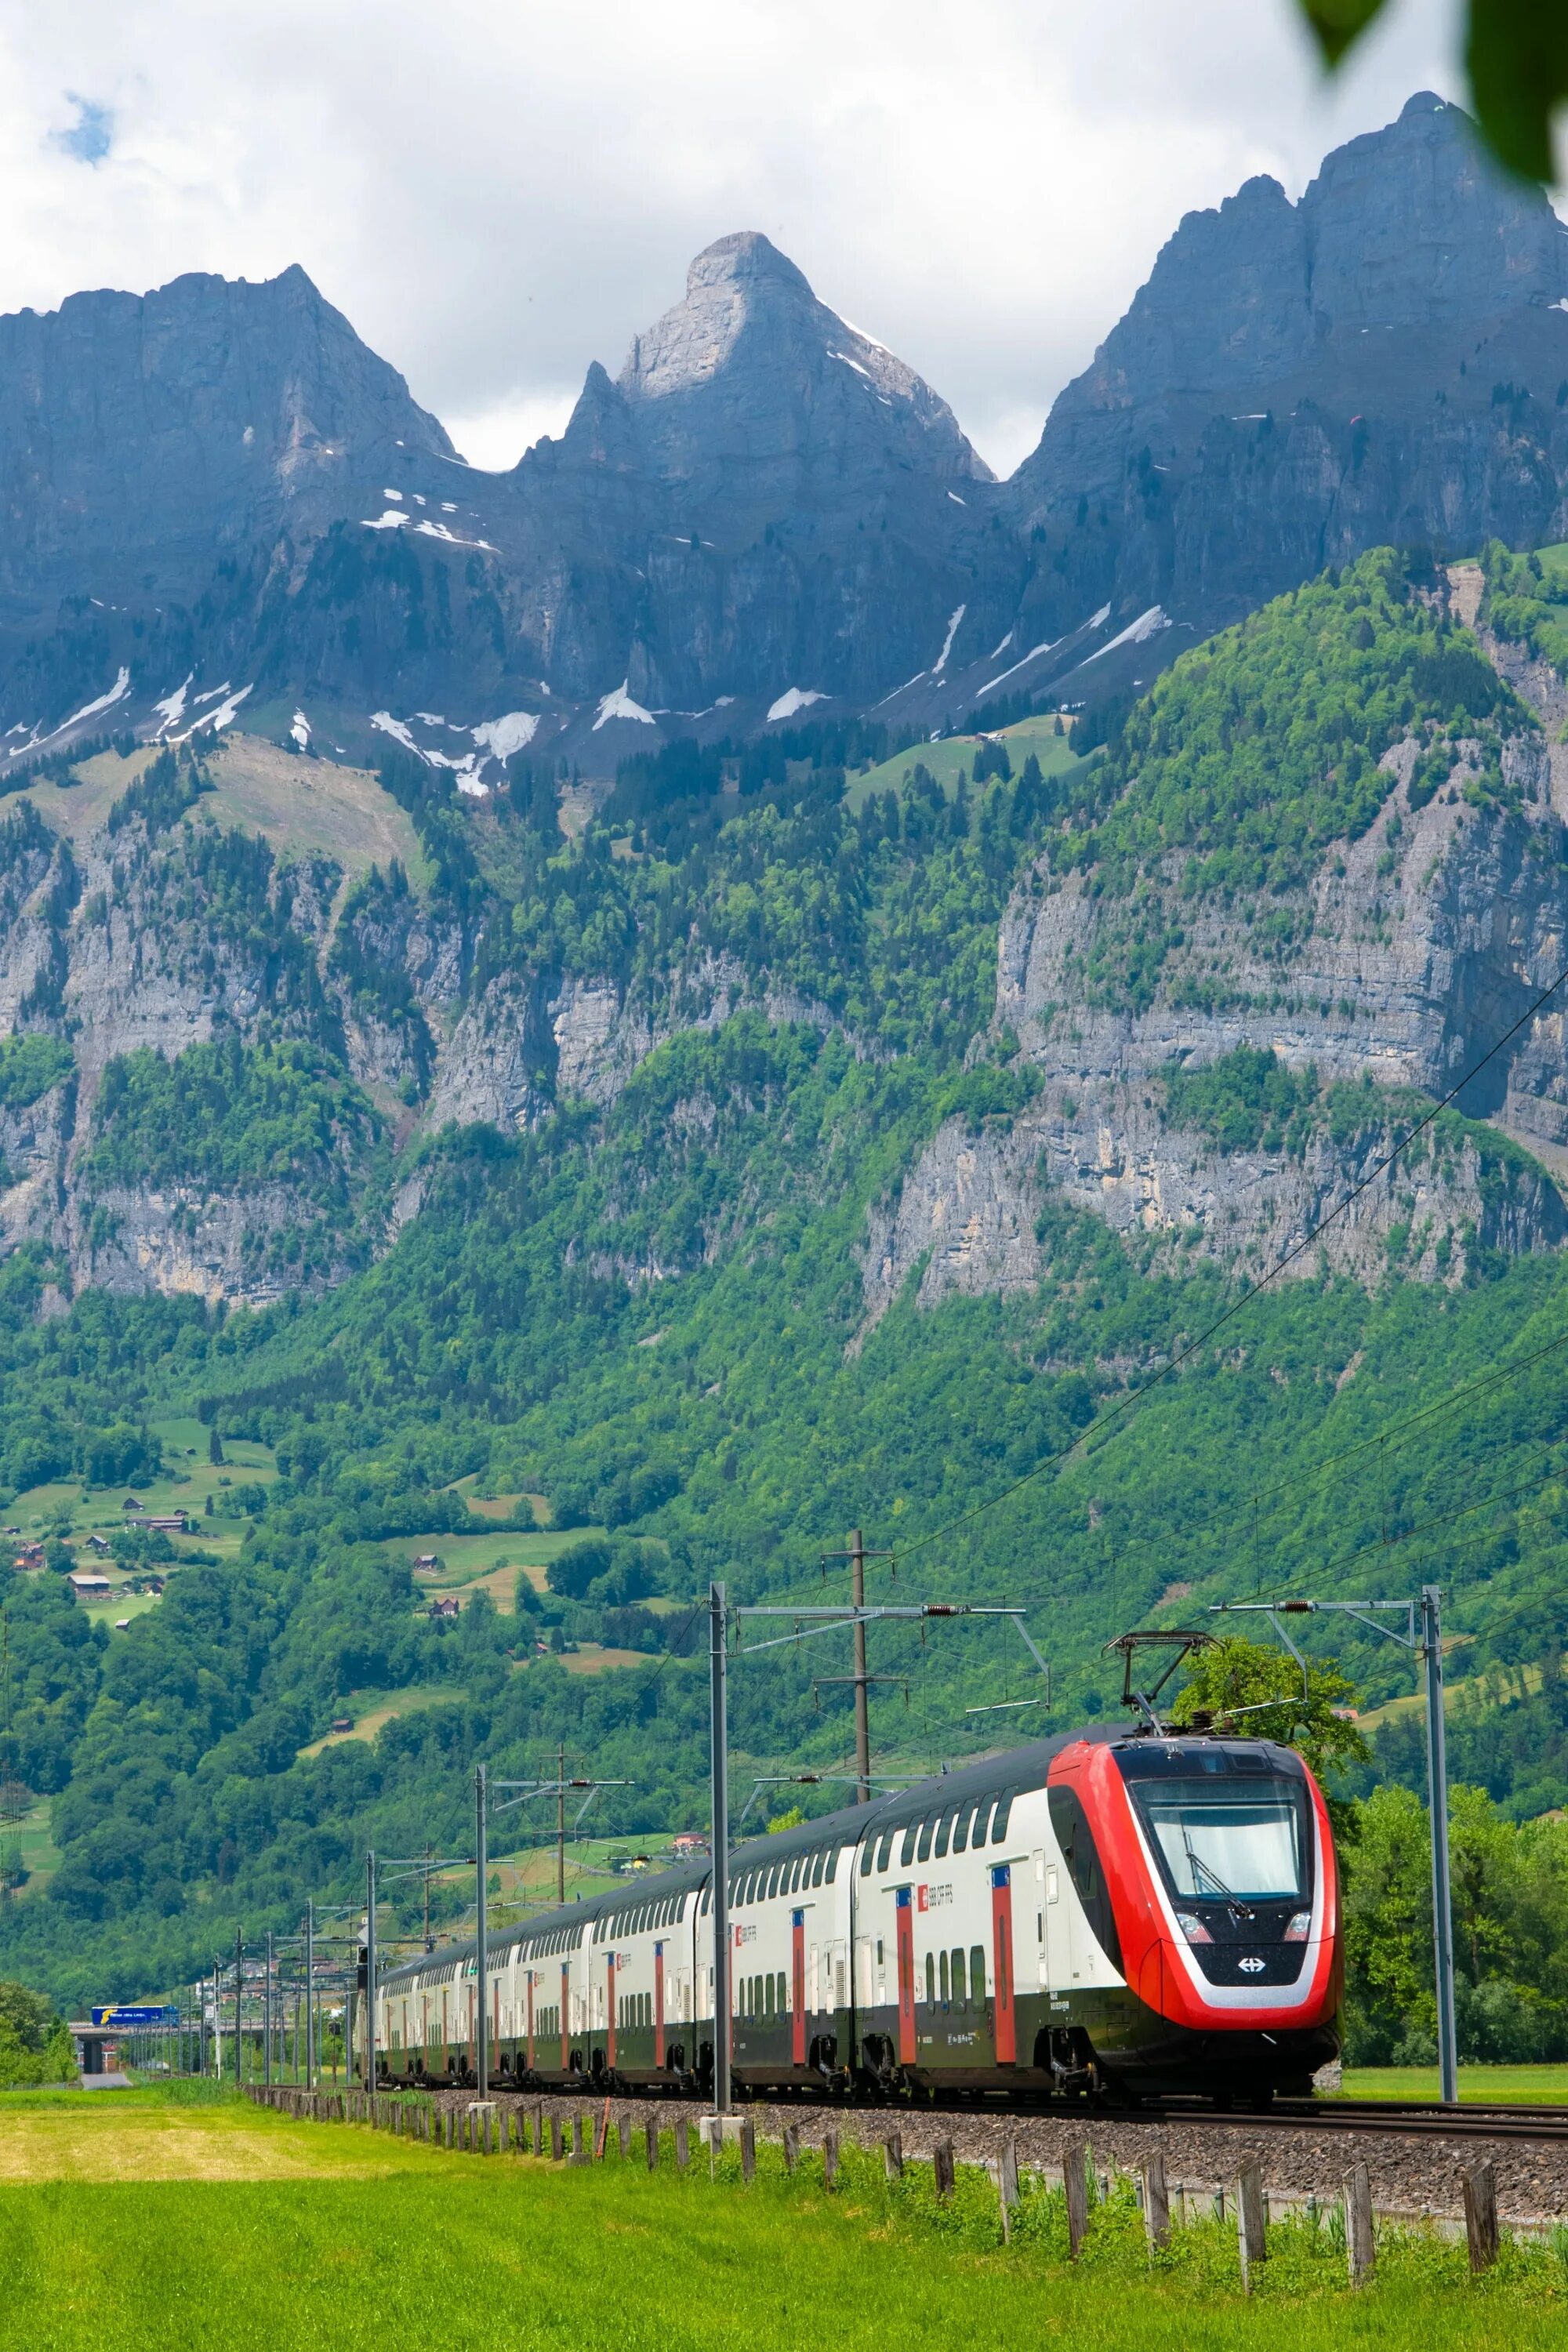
(1136, 1912)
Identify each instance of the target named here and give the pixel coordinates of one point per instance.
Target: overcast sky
(497, 195)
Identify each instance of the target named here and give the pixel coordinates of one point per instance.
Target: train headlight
(1300, 1927)
(1192, 1928)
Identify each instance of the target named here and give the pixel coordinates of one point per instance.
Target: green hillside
(653, 1315)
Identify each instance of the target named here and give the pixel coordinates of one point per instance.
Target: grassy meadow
(1528, 2086)
(144, 2220)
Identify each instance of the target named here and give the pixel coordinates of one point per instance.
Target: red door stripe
(658, 2005)
(904, 1899)
(797, 1987)
(565, 2015)
(610, 2002)
(1002, 1945)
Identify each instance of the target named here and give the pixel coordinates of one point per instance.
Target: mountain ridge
(766, 504)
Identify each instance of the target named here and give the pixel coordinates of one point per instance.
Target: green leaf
(1517, 53)
(1339, 22)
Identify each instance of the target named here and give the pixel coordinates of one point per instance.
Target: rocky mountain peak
(142, 434)
(751, 366)
(1414, 225)
(1296, 382)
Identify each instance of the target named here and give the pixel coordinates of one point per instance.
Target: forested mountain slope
(771, 1156)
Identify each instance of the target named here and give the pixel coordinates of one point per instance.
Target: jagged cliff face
(1379, 363)
(140, 436)
(1414, 950)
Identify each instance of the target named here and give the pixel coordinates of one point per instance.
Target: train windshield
(1218, 1841)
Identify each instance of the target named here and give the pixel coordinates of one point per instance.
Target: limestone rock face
(1412, 952)
(1297, 382)
(145, 437)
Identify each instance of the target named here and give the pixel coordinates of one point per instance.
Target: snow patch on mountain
(794, 699)
(619, 705)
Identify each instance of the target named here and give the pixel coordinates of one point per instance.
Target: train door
(1002, 1963)
(1058, 1959)
(904, 1901)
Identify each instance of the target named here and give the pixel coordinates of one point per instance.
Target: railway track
(1425, 2119)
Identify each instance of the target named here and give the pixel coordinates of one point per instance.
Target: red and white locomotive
(1133, 1912)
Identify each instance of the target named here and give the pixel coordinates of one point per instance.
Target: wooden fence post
(1480, 2215)
(1156, 2204)
(1360, 2252)
(539, 2128)
(748, 2149)
(556, 2149)
(682, 2143)
(791, 2147)
(893, 2156)
(830, 2156)
(1251, 2232)
(942, 2167)
(650, 2139)
(624, 2137)
(1007, 2185)
(1075, 2180)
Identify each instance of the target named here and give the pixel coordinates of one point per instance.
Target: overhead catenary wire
(1109, 1422)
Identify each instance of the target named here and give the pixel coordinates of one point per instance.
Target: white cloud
(497, 196)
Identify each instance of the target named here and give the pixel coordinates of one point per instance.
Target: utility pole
(481, 1924)
(561, 1823)
(857, 1556)
(1423, 1635)
(806, 1622)
(719, 1673)
(369, 1976)
(428, 1851)
(1437, 1797)
(267, 2018)
(311, 1994)
(238, 2007)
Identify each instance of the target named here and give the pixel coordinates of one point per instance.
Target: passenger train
(1113, 1912)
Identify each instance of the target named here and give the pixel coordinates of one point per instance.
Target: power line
(1131, 1397)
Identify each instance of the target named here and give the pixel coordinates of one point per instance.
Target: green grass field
(1483, 2085)
(137, 2220)
(943, 760)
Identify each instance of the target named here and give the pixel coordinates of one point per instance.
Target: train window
(977, 1973)
(960, 1991)
(943, 1979)
(816, 1862)
(907, 1851)
(999, 1818)
(776, 1882)
(867, 1852)
(922, 1850)
(768, 1993)
(930, 1982)
(943, 1832)
(884, 1847)
(832, 1866)
(961, 1828)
